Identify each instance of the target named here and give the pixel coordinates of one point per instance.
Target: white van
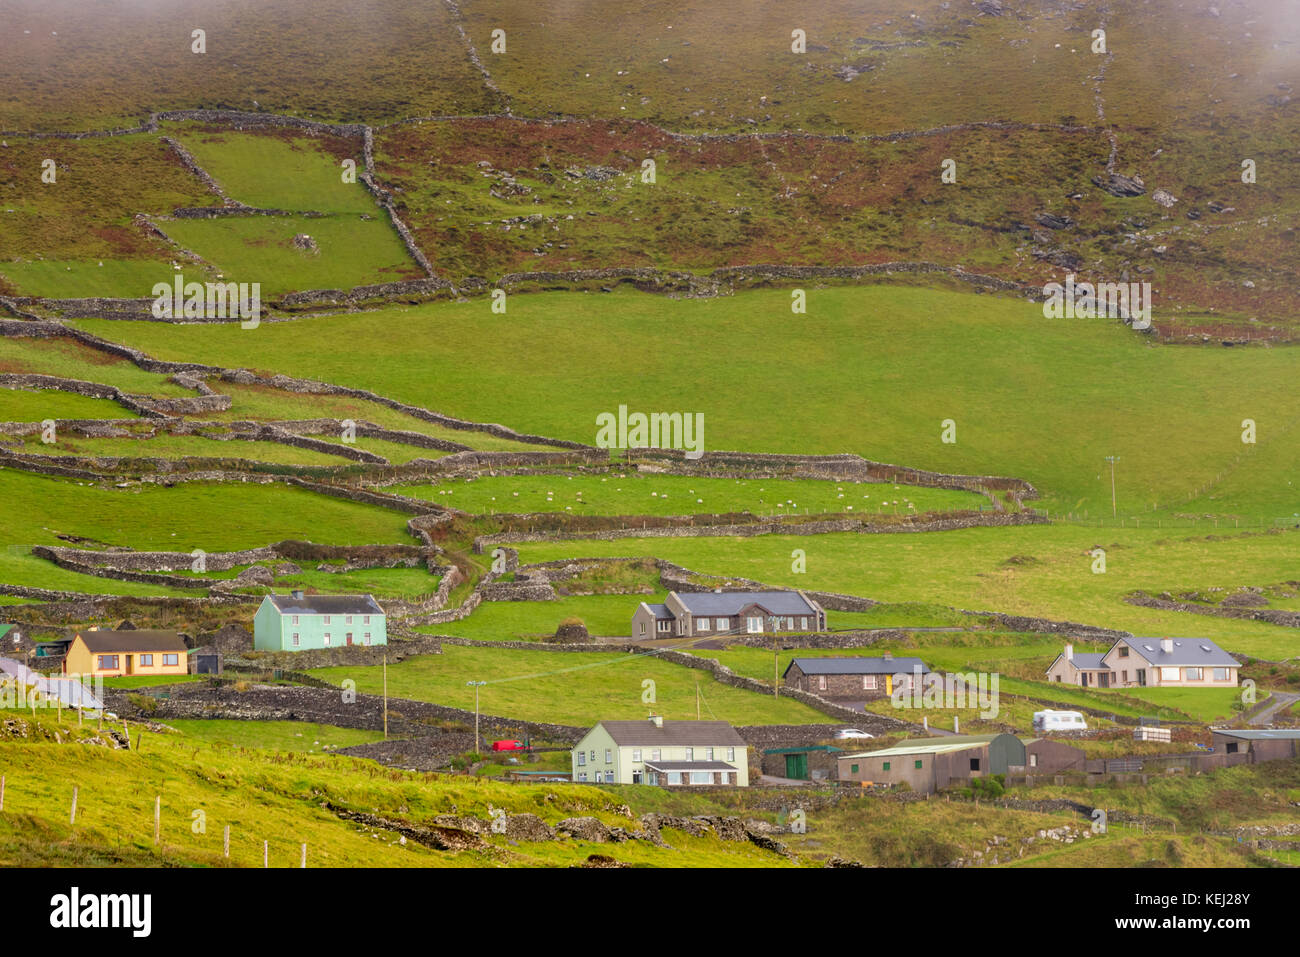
(1059, 721)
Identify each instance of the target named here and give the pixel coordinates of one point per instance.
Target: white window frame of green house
(325, 619)
(366, 640)
(1220, 674)
(171, 659)
(295, 619)
(347, 619)
(731, 754)
(708, 754)
(146, 661)
(754, 624)
(348, 638)
(593, 755)
(365, 619)
(609, 756)
(1169, 674)
(582, 759)
(327, 639)
(297, 640)
(703, 624)
(1193, 674)
(582, 778)
(636, 755)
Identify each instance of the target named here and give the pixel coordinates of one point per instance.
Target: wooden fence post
(157, 819)
(2, 792)
(225, 842)
(73, 818)
(304, 855)
(266, 853)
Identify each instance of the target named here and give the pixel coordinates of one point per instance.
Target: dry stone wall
(866, 527)
(327, 706)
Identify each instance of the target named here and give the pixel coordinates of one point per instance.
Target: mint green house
(295, 622)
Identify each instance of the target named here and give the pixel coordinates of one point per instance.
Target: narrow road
(1278, 701)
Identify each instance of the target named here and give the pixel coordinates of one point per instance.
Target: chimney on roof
(1167, 645)
(1069, 652)
(888, 655)
(717, 591)
(657, 720)
(296, 593)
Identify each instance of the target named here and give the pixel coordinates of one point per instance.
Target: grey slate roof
(1089, 660)
(1260, 734)
(327, 605)
(731, 602)
(673, 734)
(690, 766)
(113, 642)
(659, 611)
(857, 666)
(1196, 652)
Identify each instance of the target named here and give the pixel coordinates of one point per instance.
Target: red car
(509, 746)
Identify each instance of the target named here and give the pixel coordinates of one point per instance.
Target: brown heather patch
(127, 242)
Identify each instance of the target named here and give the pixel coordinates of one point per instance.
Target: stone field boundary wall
(326, 706)
(1274, 616)
(977, 520)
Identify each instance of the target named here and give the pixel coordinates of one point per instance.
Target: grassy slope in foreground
(278, 798)
(873, 370)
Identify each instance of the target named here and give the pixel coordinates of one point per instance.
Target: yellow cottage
(110, 654)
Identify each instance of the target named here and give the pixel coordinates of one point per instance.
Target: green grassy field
(72, 360)
(1066, 392)
(278, 172)
(972, 569)
(564, 689)
(649, 494)
(604, 615)
(191, 515)
(17, 405)
(352, 251)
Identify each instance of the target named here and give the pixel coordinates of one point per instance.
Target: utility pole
(476, 685)
(776, 660)
(1112, 459)
(385, 694)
